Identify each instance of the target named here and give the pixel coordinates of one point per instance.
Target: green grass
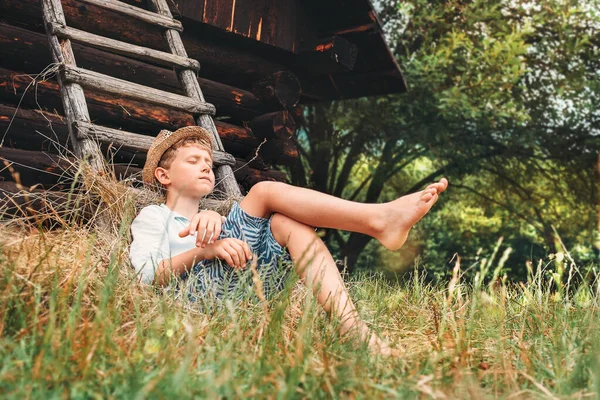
(73, 323)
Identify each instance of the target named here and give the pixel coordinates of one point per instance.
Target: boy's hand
(234, 251)
(208, 225)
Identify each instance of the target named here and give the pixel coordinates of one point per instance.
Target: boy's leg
(316, 267)
(388, 222)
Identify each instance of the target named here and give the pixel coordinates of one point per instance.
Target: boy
(174, 239)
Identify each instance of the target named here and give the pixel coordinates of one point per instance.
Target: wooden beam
(127, 49)
(221, 60)
(328, 56)
(48, 169)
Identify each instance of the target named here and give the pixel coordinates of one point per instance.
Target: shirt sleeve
(150, 243)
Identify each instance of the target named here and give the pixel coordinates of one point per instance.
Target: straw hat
(164, 140)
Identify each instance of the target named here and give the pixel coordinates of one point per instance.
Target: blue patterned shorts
(215, 279)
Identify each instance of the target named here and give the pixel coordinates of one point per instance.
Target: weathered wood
(122, 113)
(279, 151)
(72, 94)
(136, 12)
(32, 48)
(47, 169)
(108, 84)
(137, 142)
(224, 174)
(281, 89)
(328, 56)
(248, 176)
(127, 115)
(41, 207)
(274, 125)
(127, 49)
(34, 130)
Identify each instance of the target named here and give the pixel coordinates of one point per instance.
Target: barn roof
(280, 30)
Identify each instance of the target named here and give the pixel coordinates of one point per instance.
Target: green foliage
(503, 100)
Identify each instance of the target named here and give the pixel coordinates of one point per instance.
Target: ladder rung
(118, 87)
(134, 141)
(127, 49)
(136, 12)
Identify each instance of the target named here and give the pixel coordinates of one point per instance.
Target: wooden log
(279, 151)
(248, 176)
(281, 89)
(49, 209)
(106, 109)
(47, 169)
(32, 48)
(127, 49)
(274, 125)
(128, 114)
(118, 87)
(330, 55)
(136, 12)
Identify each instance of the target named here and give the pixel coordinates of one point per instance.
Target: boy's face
(190, 174)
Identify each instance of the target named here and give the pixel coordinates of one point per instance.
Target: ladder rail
(72, 95)
(224, 174)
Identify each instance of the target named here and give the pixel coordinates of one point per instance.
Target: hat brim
(156, 152)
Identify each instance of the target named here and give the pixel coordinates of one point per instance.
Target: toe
(427, 196)
(443, 184)
(433, 199)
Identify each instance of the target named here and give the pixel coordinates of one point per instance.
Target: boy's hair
(169, 155)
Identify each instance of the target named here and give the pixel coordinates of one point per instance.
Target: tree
(497, 89)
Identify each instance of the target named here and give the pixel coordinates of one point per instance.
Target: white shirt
(155, 233)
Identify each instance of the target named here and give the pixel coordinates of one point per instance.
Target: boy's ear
(162, 175)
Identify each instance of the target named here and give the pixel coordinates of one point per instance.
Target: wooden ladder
(83, 133)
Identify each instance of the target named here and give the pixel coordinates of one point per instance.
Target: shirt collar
(174, 214)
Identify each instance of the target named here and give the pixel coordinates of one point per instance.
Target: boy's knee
(264, 189)
(283, 226)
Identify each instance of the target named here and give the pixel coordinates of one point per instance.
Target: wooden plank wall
(268, 21)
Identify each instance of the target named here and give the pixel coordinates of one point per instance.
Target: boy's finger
(228, 259)
(194, 224)
(210, 232)
(243, 256)
(217, 232)
(247, 251)
(234, 255)
(185, 232)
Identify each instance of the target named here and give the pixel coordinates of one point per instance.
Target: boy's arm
(177, 265)
(150, 251)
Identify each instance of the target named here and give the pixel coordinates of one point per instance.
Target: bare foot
(378, 346)
(402, 214)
